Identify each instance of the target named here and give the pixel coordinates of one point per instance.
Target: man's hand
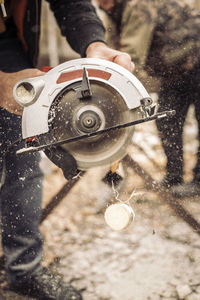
(7, 83)
(101, 50)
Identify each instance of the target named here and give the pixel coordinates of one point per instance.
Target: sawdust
(156, 257)
(25, 93)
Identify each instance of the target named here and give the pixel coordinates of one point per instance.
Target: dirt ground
(156, 257)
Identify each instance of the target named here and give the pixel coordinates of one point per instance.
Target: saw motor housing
(79, 97)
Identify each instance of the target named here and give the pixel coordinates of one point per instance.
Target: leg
(20, 206)
(22, 191)
(180, 57)
(192, 188)
(171, 131)
(196, 170)
(21, 202)
(188, 93)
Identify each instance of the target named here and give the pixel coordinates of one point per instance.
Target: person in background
(163, 40)
(21, 191)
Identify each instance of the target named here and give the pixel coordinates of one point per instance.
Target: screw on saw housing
(147, 108)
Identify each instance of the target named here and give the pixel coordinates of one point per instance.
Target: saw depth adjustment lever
(84, 91)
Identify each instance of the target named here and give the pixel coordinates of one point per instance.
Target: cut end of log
(119, 216)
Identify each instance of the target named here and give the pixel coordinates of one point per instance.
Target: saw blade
(71, 116)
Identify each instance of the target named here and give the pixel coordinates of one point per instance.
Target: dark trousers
(21, 194)
(178, 94)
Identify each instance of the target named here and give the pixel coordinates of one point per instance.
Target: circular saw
(87, 106)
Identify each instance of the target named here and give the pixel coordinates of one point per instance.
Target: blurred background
(157, 257)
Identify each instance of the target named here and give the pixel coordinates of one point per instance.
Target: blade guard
(37, 94)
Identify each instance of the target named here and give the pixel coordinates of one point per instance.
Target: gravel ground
(157, 257)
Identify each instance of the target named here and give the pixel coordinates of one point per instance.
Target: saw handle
(46, 69)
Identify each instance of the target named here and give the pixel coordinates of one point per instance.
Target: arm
(7, 82)
(78, 22)
(85, 32)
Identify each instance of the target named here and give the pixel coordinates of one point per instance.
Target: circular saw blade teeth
(107, 107)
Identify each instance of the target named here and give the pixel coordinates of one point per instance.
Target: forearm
(7, 83)
(5, 87)
(79, 22)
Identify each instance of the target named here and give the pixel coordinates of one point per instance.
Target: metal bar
(164, 194)
(90, 134)
(55, 200)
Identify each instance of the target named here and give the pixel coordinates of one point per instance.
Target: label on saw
(79, 74)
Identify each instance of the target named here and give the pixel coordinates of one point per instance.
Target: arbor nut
(119, 216)
(89, 121)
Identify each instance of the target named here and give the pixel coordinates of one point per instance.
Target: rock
(183, 291)
(193, 296)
